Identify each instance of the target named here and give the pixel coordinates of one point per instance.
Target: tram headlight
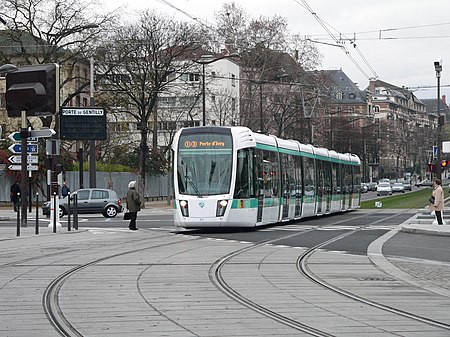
(221, 207)
(184, 207)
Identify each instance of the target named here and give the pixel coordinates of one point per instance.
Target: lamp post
(203, 62)
(438, 69)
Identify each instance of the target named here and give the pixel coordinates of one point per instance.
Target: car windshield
(384, 185)
(204, 164)
(398, 185)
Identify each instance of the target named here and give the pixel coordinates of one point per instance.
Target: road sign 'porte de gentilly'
(83, 124)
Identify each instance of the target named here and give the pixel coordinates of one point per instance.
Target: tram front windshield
(204, 163)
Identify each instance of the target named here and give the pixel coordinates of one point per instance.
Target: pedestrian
(15, 192)
(437, 201)
(133, 204)
(65, 190)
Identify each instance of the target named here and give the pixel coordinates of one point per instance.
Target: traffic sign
(43, 133)
(15, 137)
(18, 159)
(19, 167)
(17, 148)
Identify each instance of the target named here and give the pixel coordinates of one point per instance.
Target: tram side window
(356, 179)
(309, 176)
(328, 181)
(275, 174)
(288, 174)
(245, 180)
(266, 163)
(298, 176)
(335, 181)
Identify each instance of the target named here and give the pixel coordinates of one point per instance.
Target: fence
(156, 187)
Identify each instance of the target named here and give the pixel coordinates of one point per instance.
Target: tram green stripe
(303, 154)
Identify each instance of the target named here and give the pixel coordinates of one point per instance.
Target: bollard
(36, 230)
(75, 211)
(18, 214)
(68, 212)
(55, 210)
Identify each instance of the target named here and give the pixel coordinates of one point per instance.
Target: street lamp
(438, 69)
(203, 62)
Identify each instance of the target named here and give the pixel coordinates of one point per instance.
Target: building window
(339, 95)
(351, 95)
(233, 104)
(376, 108)
(167, 102)
(233, 80)
(189, 124)
(167, 125)
(351, 110)
(190, 77)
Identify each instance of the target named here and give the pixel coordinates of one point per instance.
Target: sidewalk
(8, 214)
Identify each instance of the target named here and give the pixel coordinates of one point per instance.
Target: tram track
(302, 266)
(50, 298)
(219, 281)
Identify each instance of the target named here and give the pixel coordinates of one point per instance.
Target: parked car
(364, 188)
(384, 188)
(372, 186)
(407, 184)
(398, 187)
(426, 182)
(90, 200)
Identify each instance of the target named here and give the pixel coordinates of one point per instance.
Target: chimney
(372, 85)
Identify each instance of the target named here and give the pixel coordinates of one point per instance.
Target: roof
(338, 82)
(431, 104)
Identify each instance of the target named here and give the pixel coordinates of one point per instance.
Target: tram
(233, 177)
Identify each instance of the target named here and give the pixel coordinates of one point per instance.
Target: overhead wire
(338, 40)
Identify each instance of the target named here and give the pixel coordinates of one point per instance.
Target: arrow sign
(17, 148)
(19, 167)
(43, 133)
(18, 159)
(15, 137)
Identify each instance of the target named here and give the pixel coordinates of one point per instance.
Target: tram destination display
(83, 124)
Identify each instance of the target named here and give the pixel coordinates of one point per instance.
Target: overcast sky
(414, 33)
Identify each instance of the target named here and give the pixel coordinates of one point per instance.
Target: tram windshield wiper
(194, 187)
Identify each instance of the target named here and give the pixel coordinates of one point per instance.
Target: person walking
(65, 190)
(133, 204)
(15, 192)
(438, 205)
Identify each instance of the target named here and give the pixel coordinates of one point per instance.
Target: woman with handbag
(133, 204)
(437, 201)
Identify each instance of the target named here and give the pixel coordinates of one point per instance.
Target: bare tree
(53, 31)
(148, 55)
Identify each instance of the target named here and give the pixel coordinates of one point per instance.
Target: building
(403, 131)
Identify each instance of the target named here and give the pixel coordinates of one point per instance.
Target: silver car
(90, 200)
(384, 188)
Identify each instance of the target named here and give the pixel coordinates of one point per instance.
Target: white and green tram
(233, 177)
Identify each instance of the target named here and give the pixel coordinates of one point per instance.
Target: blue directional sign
(17, 148)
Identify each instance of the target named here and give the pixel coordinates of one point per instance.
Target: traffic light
(431, 167)
(445, 163)
(34, 89)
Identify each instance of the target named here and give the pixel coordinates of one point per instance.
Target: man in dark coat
(15, 192)
(133, 204)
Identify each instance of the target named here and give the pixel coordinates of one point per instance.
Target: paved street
(157, 282)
